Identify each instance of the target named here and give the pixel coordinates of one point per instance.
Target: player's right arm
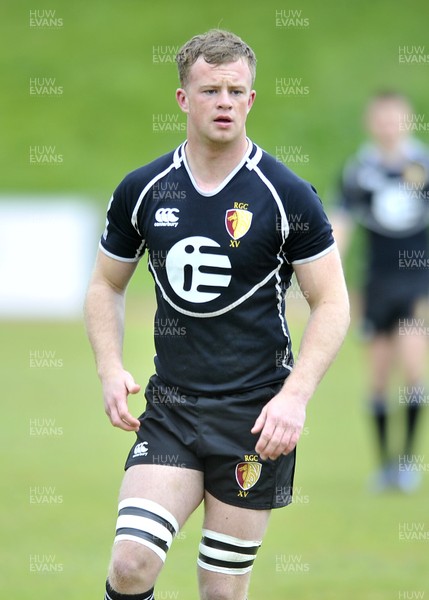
(104, 319)
(343, 227)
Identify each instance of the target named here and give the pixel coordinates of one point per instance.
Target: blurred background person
(384, 189)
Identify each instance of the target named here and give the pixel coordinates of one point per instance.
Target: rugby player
(226, 405)
(385, 190)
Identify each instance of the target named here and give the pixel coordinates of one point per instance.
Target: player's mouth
(223, 120)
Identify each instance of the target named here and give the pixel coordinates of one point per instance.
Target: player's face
(386, 122)
(217, 99)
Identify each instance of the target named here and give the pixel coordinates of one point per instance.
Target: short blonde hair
(217, 47)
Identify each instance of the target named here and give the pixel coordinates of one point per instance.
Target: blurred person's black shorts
(386, 306)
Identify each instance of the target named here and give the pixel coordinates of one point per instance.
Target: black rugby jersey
(392, 204)
(221, 261)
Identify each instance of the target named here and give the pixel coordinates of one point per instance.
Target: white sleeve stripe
(316, 256)
(120, 258)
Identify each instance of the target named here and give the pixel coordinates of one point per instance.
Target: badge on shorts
(247, 474)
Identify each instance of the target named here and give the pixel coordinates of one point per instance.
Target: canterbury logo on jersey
(166, 217)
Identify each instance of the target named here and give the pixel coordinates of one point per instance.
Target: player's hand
(280, 423)
(116, 388)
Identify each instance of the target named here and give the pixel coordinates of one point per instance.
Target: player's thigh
(154, 503)
(176, 489)
(243, 523)
(231, 537)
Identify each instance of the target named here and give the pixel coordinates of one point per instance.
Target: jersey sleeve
(349, 191)
(309, 230)
(121, 239)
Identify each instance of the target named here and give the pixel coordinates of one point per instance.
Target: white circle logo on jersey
(194, 272)
(395, 209)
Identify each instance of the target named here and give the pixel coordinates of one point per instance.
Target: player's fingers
(129, 423)
(117, 421)
(289, 441)
(272, 437)
(265, 441)
(131, 385)
(119, 416)
(283, 441)
(260, 421)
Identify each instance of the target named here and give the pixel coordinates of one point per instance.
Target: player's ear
(251, 100)
(182, 100)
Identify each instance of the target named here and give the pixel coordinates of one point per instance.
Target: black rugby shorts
(212, 434)
(386, 304)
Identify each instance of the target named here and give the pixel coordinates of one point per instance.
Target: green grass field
(110, 66)
(64, 465)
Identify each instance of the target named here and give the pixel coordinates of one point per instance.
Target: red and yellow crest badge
(237, 222)
(247, 474)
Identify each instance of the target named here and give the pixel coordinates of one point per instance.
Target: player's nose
(224, 99)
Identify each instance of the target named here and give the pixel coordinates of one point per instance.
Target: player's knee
(133, 565)
(126, 563)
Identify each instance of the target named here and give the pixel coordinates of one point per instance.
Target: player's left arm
(282, 419)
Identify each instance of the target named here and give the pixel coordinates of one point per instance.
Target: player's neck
(392, 153)
(211, 164)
